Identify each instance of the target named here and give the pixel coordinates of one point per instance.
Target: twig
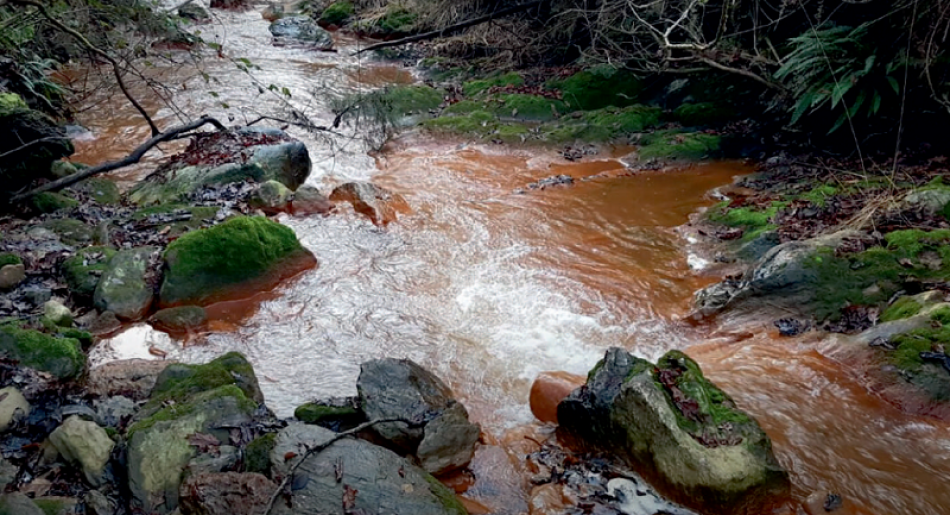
(452, 28)
(131, 159)
(319, 448)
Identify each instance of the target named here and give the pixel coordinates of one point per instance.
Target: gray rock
(37, 295)
(124, 288)
(229, 493)
(133, 378)
(271, 197)
(97, 503)
(302, 28)
(382, 482)
(86, 443)
(226, 458)
(309, 200)
(11, 276)
(449, 441)
(294, 440)
(287, 163)
(8, 472)
(180, 319)
(18, 504)
(57, 313)
(13, 407)
(111, 411)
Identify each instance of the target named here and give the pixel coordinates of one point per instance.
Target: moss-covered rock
(180, 319)
(271, 197)
(82, 271)
(71, 232)
(61, 357)
(51, 202)
(180, 381)
(337, 13)
(257, 454)
(125, 288)
(678, 429)
(477, 87)
(679, 145)
(599, 87)
(99, 189)
(178, 218)
(213, 263)
(333, 414)
(527, 107)
(702, 114)
(396, 20)
(60, 169)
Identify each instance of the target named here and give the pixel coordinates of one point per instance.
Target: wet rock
(179, 381)
(287, 163)
(18, 504)
(291, 444)
(61, 357)
(180, 320)
(335, 414)
(194, 12)
(124, 287)
(374, 202)
(112, 411)
(823, 503)
(272, 12)
(228, 493)
(548, 390)
(548, 182)
(229, 4)
(546, 500)
(240, 254)
(11, 276)
(105, 323)
(675, 425)
(308, 200)
(304, 29)
(82, 271)
(367, 478)
(85, 443)
(97, 503)
(790, 326)
(13, 407)
(224, 458)
(271, 197)
(133, 378)
(55, 312)
(441, 435)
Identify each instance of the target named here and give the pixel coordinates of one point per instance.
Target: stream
(487, 287)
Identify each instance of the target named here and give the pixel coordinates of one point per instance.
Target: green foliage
(903, 307)
(477, 87)
(337, 13)
(838, 65)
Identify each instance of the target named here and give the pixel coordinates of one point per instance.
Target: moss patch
(179, 381)
(314, 413)
(198, 216)
(337, 13)
(101, 190)
(72, 232)
(679, 145)
(257, 454)
(702, 114)
(192, 405)
(82, 271)
(397, 20)
(61, 357)
(748, 217)
(9, 258)
(599, 87)
(477, 87)
(904, 307)
(527, 107)
(208, 262)
(47, 202)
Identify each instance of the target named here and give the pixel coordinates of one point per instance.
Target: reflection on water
(488, 288)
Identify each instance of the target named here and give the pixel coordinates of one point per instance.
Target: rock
(86, 443)
(82, 271)
(61, 357)
(287, 163)
(97, 503)
(37, 296)
(11, 276)
(13, 407)
(160, 447)
(291, 444)
(124, 287)
(69, 231)
(180, 320)
(105, 323)
(393, 388)
(56, 505)
(179, 381)
(380, 205)
(272, 12)
(257, 453)
(308, 201)
(304, 29)
(227, 493)
(930, 201)
(55, 312)
(60, 169)
(48, 202)
(271, 197)
(548, 390)
(336, 414)
(239, 256)
(194, 12)
(375, 480)
(225, 458)
(132, 378)
(18, 123)
(113, 411)
(674, 425)
(18, 504)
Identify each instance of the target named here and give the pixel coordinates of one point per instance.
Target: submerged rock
(355, 476)
(232, 258)
(86, 443)
(677, 427)
(124, 287)
(376, 203)
(440, 434)
(304, 29)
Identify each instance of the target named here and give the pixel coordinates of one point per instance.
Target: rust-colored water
(488, 287)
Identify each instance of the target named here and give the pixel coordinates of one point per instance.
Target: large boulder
(235, 258)
(124, 287)
(61, 357)
(85, 443)
(376, 203)
(19, 125)
(355, 476)
(678, 429)
(438, 431)
(222, 158)
(302, 29)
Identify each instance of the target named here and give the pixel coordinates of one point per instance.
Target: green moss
(820, 194)
(101, 190)
(941, 315)
(191, 406)
(599, 87)
(9, 258)
(748, 217)
(446, 497)
(337, 13)
(72, 232)
(207, 262)
(679, 145)
(313, 413)
(84, 337)
(10, 102)
(54, 506)
(83, 270)
(180, 381)
(199, 214)
(47, 202)
(464, 107)
(911, 242)
(843, 280)
(475, 123)
(477, 87)
(527, 107)
(257, 454)
(61, 357)
(702, 114)
(397, 20)
(904, 307)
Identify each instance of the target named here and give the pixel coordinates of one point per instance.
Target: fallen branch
(30, 144)
(96, 50)
(318, 448)
(131, 159)
(453, 28)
